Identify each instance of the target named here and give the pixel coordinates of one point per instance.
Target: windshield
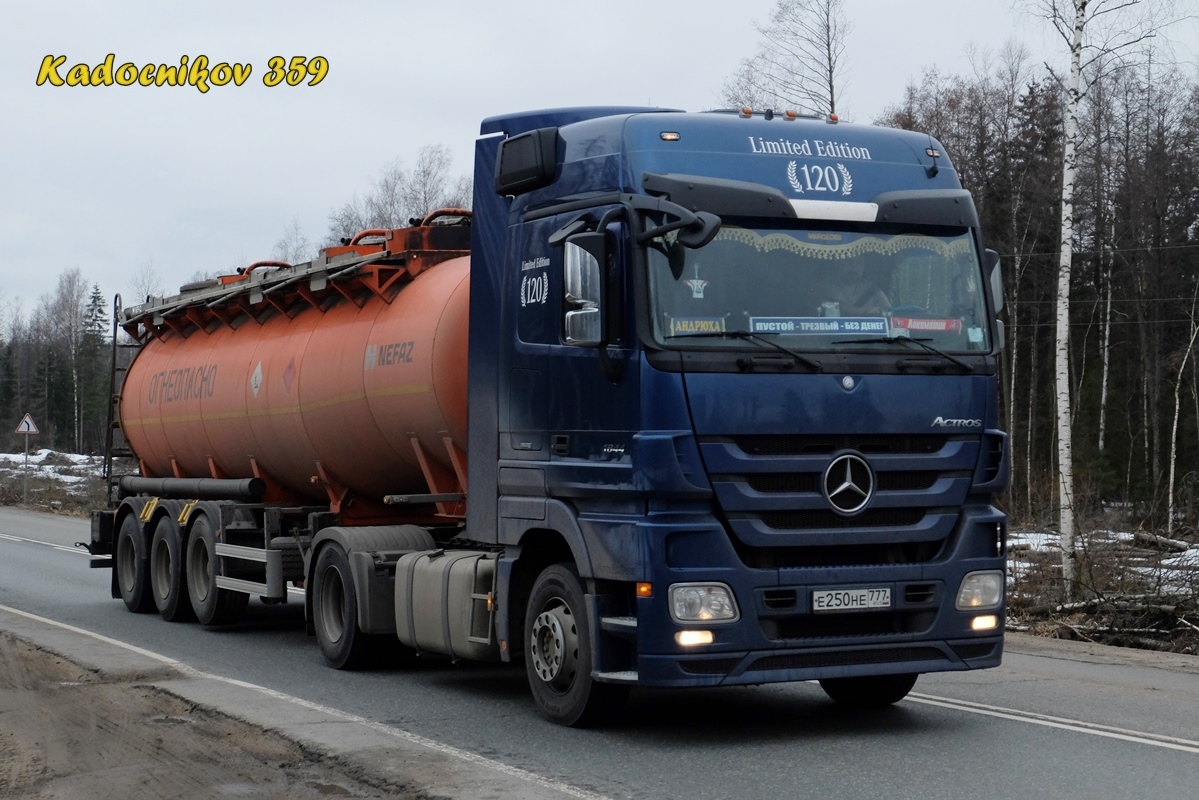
(819, 289)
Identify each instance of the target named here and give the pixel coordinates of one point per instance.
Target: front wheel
(871, 691)
(558, 657)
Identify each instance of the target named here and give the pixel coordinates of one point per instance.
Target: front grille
(849, 658)
(769, 492)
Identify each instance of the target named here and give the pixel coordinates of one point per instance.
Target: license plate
(825, 600)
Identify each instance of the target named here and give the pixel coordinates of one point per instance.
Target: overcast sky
(107, 178)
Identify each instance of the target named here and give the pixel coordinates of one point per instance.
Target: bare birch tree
(800, 63)
(1094, 31)
(146, 282)
(293, 246)
(1186, 355)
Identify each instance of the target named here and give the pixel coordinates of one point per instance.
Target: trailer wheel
(133, 567)
(558, 654)
(212, 605)
(167, 576)
(335, 610)
(871, 691)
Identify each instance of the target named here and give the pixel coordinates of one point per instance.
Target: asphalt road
(1056, 720)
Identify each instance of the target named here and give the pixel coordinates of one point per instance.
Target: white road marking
(379, 727)
(1075, 725)
(52, 545)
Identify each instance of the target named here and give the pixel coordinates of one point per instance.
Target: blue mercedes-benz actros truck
(730, 392)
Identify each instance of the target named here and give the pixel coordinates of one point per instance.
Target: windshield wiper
(756, 338)
(907, 340)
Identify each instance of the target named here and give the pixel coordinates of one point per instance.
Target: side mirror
(584, 255)
(991, 262)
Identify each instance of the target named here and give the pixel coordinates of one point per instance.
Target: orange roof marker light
(833, 118)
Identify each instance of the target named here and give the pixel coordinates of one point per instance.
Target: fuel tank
(350, 393)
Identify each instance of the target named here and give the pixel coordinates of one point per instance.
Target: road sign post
(27, 427)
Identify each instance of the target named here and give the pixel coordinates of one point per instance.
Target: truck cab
(738, 372)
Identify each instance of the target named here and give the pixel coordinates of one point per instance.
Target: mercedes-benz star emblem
(848, 484)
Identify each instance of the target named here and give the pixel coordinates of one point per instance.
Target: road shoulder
(326, 750)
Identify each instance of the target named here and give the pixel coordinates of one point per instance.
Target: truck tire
(212, 605)
(558, 654)
(133, 567)
(167, 576)
(335, 610)
(871, 691)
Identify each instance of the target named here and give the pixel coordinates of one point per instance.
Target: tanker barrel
(194, 488)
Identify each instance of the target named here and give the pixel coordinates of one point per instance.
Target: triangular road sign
(27, 425)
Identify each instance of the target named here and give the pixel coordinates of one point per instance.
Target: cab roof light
(669, 136)
(833, 118)
(790, 115)
(747, 112)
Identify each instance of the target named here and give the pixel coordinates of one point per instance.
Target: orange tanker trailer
(224, 390)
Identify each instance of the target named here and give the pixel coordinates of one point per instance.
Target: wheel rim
(555, 646)
(333, 605)
(160, 565)
(126, 564)
(199, 576)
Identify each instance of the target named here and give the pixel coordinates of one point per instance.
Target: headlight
(702, 602)
(980, 590)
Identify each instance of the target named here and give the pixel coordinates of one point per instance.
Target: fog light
(693, 638)
(702, 602)
(980, 590)
(984, 623)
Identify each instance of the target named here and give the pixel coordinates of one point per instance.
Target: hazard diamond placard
(27, 425)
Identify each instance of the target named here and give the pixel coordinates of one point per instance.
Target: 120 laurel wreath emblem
(195, 72)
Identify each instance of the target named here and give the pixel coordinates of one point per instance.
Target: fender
(370, 592)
